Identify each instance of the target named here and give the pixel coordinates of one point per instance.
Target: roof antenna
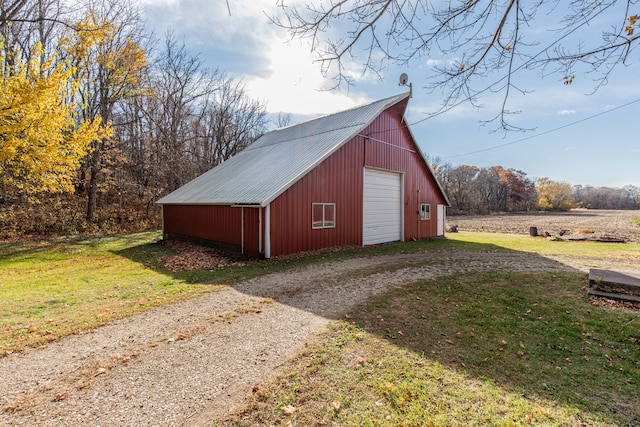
(404, 82)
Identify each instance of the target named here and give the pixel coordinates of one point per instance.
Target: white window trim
(422, 212)
(324, 221)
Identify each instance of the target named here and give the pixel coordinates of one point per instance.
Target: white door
(441, 218)
(382, 207)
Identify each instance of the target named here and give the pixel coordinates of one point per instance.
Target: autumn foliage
(42, 140)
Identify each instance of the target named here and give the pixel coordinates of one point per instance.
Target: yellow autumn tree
(42, 141)
(110, 67)
(553, 196)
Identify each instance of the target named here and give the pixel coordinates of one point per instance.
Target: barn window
(425, 211)
(324, 215)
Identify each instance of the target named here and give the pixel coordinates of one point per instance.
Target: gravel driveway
(192, 363)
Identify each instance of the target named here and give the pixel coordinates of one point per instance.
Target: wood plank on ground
(614, 278)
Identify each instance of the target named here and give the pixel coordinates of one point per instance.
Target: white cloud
(433, 63)
(566, 112)
(243, 42)
(295, 86)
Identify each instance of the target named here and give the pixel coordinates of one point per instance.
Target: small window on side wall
(323, 215)
(425, 211)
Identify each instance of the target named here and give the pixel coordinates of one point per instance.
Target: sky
(577, 137)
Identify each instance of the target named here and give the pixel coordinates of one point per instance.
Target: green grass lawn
(489, 349)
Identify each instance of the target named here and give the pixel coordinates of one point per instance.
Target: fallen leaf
(543, 411)
(181, 337)
(389, 386)
(32, 329)
(522, 345)
(336, 405)
(448, 341)
(503, 342)
(288, 409)
(61, 396)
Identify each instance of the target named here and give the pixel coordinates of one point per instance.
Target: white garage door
(382, 207)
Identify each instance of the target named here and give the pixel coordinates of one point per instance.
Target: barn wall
(337, 180)
(251, 226)
(204, 222)
(389, 147)
(385, 144)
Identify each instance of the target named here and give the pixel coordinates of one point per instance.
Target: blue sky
(578, 138)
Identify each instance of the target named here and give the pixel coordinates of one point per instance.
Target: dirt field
(576, 222)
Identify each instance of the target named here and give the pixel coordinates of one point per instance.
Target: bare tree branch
(477, 47)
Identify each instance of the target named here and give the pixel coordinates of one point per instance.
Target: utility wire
(545, 132)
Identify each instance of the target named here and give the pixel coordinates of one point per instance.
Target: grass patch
(53, 288)
(490, 349)
(57, 287)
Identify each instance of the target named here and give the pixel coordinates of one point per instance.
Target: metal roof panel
(278, 159)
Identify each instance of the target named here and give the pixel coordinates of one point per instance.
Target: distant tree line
(475, 190)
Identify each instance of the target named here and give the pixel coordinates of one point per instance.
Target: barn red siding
(218, 223)
(222, 224)
(251, 231)
(385, 144)
(336, 180)
(389, 147)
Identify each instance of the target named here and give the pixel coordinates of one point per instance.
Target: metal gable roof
(278, 159)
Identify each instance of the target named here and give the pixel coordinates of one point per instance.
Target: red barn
(356, 177)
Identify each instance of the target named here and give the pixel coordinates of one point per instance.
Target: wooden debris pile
(615, 286)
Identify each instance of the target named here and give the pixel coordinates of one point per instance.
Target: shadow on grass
(533, 334)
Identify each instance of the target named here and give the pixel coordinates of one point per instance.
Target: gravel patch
(193, 362)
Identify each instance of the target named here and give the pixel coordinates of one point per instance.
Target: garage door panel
(382, 207)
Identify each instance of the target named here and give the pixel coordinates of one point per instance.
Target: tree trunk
(92, 190)
(93, 195)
